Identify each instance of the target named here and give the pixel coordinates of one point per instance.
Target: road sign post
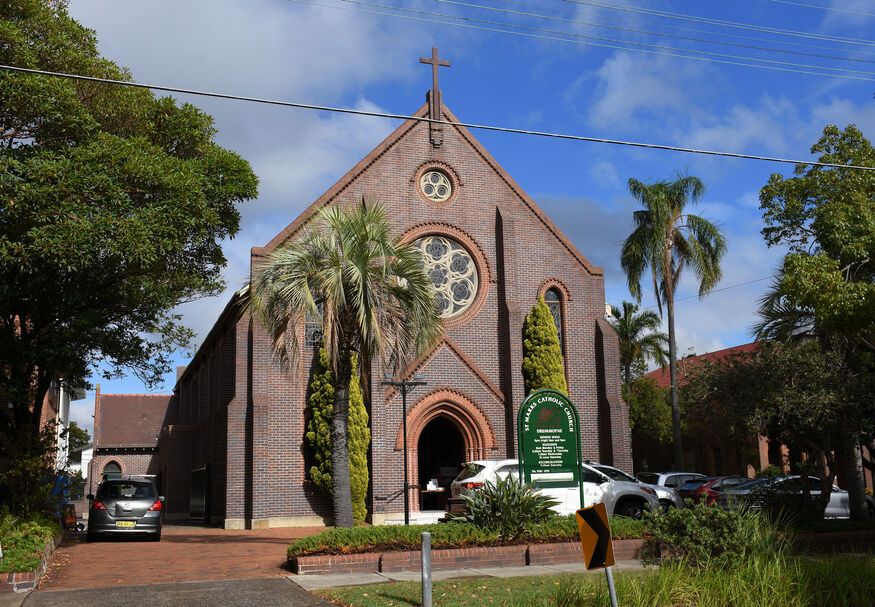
(596, 543)
(548, 430)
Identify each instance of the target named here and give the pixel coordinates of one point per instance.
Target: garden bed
(27, 545)
(516, 555)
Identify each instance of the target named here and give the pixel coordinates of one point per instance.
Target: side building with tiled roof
(126, 431)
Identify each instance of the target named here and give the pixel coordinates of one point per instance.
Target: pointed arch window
(112, 470)
(553, 299)
(313, 328)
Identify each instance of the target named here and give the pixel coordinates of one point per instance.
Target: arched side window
(553, 298)
(112, 469)
(313, 328)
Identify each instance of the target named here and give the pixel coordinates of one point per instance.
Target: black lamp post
(405, 385)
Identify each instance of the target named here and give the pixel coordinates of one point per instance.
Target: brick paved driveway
(184, 554)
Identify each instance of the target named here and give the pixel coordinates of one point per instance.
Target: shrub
(507, 506)
(318, 434)
(24, 540)
(770, 471)
(703, 535)
(359, 437)
(542, 354)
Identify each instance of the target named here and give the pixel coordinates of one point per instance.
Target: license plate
(125, 524)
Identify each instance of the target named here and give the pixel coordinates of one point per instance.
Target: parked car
(125, 507)
(709, 489)
(672, 480)
(668, 498)
(755, 492)
(621, 498)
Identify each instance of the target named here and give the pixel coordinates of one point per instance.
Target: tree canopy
(115, 205)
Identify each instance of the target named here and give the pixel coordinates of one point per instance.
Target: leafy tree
(825, 216)
(318, 435)
(649, 410)
(376, 300)
(640, 339)
(114, 207)
(543, 366)
(77, 437)
(359, 441)
(666, 240)
(797, 394)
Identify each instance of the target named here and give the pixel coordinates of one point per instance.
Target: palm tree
(374, 299)
(639, 336)
(665, 241)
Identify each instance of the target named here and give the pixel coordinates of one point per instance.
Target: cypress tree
(359, 439)
(319, 433)
(319, 427)
(543, 366)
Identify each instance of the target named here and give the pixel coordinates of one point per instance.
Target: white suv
(622, 498)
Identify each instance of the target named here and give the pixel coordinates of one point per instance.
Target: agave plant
(507, 506)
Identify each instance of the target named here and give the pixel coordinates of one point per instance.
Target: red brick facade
(243, 418)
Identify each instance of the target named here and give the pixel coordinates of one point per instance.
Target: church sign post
(548, 429)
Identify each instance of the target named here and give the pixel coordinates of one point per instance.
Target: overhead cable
(726, 288)
(650, 32)
(724, 23)
(679, 54)
(468, 125)
(847, 11)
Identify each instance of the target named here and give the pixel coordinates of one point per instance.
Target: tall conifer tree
(543, 366)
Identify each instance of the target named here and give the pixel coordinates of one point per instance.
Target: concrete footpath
(333, 580)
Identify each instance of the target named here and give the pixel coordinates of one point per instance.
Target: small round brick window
(453, 274)
(436, 186)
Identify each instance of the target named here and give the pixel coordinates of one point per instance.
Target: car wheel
(632, 508)
(666, 505)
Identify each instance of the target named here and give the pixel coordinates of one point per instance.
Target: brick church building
(231, 447)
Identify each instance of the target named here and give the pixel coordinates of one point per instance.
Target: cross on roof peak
(434, 97)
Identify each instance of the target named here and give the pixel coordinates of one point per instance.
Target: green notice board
(548, 429)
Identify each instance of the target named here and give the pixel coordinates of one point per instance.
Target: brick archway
(454, 406)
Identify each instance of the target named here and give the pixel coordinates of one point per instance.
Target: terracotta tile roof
(130, 420)
(662, 375)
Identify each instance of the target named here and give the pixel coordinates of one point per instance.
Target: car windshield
(127, 490)
(614, 474)
(468, 471)
(692, 485)
(651, 478)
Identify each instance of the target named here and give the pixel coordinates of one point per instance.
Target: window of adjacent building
(453, 274)
(554, 301)
(436, 186)
(718, 461)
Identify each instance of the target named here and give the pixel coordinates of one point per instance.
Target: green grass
(445, 535)
(758, 582)
(24, 540)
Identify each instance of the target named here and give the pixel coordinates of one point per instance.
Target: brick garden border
(455, 558)
(25, 581)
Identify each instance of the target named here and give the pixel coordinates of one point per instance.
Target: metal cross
(435, 63)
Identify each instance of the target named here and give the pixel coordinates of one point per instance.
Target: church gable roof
(130, 420)
(402, 131)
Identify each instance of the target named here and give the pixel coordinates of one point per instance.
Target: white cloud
(81, 412)
(631, 89)
(859, 16)
(763, 127)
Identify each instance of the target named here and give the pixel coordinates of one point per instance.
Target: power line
(468, 125)
(724, 23)
(726, 288)
(585, 42)
(826, 8)
(650, 32)
(613, 40)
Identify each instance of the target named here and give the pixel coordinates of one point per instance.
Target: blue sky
(289, 50)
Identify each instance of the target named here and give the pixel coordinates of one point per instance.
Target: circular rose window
(452, 272)
(436, 186)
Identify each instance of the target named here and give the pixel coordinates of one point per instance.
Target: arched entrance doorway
(437, 426)
(440, 453)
